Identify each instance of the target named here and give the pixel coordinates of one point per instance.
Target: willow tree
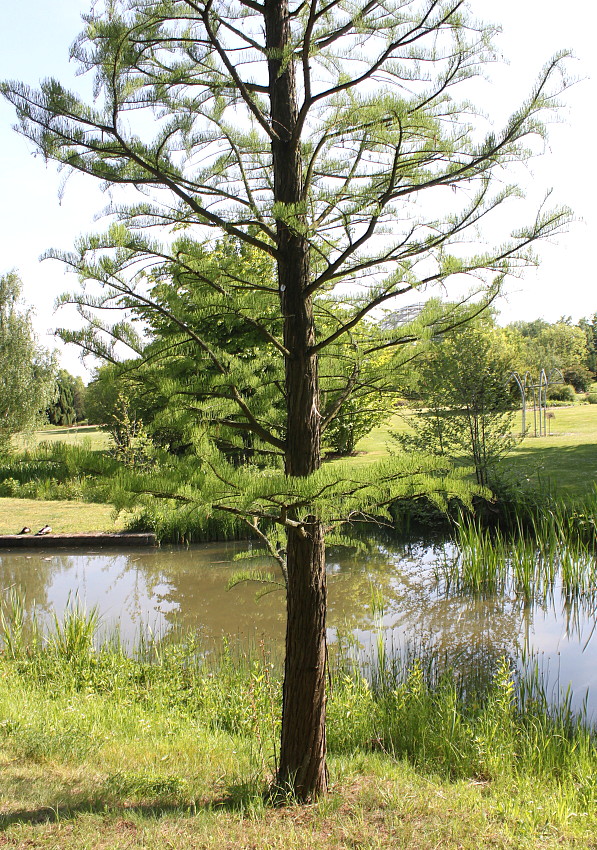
(27, 371)
(325, 135)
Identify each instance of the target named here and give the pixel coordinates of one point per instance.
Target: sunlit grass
(86, 436)
(65, 517)
(175, 747)
(565, 461)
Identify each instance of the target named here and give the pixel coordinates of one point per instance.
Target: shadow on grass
(569, 468)
(236, 797)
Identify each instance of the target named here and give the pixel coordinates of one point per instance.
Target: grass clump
(177, 728)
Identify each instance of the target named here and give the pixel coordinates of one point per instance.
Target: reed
(530, 566)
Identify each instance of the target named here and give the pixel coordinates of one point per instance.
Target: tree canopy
(26, 370)
(325, 137)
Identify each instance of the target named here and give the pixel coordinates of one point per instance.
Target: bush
(591, 398)
(580, 378)
(561, 392)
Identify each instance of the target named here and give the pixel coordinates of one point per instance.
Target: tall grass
(76, 697)
(529, 564)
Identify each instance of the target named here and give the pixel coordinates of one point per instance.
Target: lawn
(375, 804)
(65, 517)
(565, 460)
(87, 436)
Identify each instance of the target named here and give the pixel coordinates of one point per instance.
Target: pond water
(163, 587)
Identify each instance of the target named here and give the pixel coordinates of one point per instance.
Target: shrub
(591, 398)
(561, 392)
(579, 377)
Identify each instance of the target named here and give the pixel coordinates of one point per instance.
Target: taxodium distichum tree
(324, 136)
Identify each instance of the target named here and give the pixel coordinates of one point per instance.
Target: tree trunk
(302, 768)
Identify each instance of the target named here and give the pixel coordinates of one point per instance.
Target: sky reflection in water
(169, 586)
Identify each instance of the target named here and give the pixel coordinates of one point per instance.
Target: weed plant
(174, 719)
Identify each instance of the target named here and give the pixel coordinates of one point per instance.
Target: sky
(38, 212)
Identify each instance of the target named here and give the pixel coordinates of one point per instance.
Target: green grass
(566, 461)
(65, 517)
(174, 748)
(86, 436)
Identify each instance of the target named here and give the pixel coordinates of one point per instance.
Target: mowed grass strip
(65, 517)
(565, 460)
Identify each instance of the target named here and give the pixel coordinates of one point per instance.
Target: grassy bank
(63, 468)
(175, 748)
(65, 516)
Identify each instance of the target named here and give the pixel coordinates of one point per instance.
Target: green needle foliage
(324, 138)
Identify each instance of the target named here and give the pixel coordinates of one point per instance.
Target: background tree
(79, 394)
(541, 345)
(27, 382)
(324, 136)
(466, 407)
(589, 327)
(62, 410)
(165, 389)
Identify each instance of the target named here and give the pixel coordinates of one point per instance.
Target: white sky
(34, 43)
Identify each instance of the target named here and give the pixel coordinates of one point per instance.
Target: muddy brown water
(165, 587)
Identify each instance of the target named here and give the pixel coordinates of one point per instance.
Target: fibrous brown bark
(302, 767)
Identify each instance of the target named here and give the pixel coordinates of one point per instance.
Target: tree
(26, 370)
(62, 410)
(69, 405)
(550, 346)
(164, 387)
(589, 328)
(313, 133)
(79, 393)
(466, 408)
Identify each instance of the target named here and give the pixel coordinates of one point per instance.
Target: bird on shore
(25, 530)
(45, 530)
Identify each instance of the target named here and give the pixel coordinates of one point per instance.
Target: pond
(395, 587)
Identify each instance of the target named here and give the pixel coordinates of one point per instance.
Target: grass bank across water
(175, 747)
(65, 517)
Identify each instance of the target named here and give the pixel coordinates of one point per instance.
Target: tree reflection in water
(177, 587)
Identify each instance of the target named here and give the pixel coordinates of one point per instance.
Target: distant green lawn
(87, 436)
(65, 517)
(565, 461)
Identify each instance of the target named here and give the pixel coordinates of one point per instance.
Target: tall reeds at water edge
(527, 563)
(69, 696)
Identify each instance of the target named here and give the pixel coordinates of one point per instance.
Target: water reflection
(164, 587)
